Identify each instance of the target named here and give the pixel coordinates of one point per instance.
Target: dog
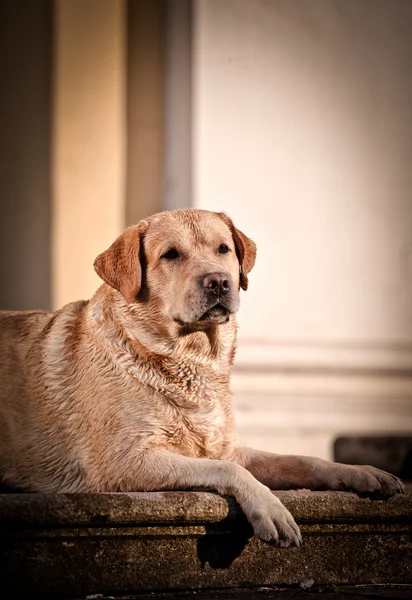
(130, 391)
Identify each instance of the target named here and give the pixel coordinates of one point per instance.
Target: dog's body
(130, 391)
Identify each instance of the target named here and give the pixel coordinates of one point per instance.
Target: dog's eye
(171, 254)
(223, 249)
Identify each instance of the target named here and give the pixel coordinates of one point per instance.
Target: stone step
(353, 592)
(82, 544)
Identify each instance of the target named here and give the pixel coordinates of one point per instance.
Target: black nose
(217, 284)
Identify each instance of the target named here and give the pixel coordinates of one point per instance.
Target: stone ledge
(123, 543)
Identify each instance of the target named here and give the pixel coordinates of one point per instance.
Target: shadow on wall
(25, 146)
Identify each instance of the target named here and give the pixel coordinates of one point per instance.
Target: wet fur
(130, 390)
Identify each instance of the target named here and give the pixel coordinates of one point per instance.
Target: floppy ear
(120, 265)
(245, 250)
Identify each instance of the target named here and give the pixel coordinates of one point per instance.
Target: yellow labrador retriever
(130, 391)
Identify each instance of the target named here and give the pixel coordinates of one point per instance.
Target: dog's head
(188, 264)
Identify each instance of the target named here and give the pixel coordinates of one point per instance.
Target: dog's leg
(163, 470)
(291, 472)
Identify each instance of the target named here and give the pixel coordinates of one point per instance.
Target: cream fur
(130, 390)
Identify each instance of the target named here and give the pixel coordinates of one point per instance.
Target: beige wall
(302, 132)
(89, 140)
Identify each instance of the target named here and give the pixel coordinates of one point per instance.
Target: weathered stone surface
(120, 543)
(52, 510)
(396, 592)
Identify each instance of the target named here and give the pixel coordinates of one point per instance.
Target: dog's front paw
(271, 521)
(368, 480)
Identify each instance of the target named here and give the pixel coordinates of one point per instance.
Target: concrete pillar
(89, 150)
(145, 108)
(178, 192)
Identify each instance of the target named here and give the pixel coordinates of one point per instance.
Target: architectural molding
(298, 398)
(325, 356)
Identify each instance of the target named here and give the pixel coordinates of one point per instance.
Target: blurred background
(294, 117)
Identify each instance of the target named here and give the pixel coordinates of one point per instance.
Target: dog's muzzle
(212, 300)
(216, 284)
(218, 296)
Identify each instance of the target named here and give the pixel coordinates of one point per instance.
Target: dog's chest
(199, 431)
(188, 411)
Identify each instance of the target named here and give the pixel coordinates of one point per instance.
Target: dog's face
(187, 264)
